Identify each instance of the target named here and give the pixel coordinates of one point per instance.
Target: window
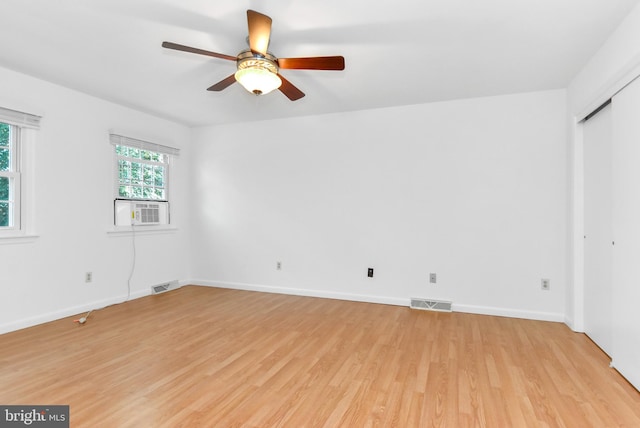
(142, 174)
(141, 181)
(16, 133)
(142, 169)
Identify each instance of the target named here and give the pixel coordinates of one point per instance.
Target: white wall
(612, 67)
(44, 279)
(474, 190)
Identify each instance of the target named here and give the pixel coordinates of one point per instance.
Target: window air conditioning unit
(140, 213)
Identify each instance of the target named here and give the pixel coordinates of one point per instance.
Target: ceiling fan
(258, 70)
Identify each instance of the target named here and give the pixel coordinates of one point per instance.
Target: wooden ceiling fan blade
(313, 63)
(289, 90)
(223, 84)
(177, 47)
(259, 31)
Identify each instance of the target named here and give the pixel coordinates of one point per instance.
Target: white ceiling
(397, 52)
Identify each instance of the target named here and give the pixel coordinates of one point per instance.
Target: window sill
(141, 230)
(17, 239)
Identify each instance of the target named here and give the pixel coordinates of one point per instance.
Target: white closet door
(626, 231)
(598, 229)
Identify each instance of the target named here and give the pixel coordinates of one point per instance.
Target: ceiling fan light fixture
(257, 74)
(258, 81)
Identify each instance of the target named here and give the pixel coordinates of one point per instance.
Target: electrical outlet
(88, 277)
(545, 284)
(432, 278)
(278, 265)
(370, 272)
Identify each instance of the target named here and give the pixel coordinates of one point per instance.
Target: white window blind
(18, 118)
(117, 139)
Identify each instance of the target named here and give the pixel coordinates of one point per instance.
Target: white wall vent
(140, 213)
(164, 287)
(431, 305)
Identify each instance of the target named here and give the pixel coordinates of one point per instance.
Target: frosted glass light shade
(258, 80)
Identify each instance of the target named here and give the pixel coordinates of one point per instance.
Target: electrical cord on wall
(83, 320)
(133, 261)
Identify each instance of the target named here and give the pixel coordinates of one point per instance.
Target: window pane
(4, 189)
(5, 159)
(4, 214)
(136, 173)
(148, 193)
(5, 135)
(159, 194)
(5, 205)
(124, 191)
(158, 173)
(134, 153)
(148, 178)
(124, 171)
(136, 192)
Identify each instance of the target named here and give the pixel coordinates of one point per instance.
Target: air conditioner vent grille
(148, 213)
(136, 213)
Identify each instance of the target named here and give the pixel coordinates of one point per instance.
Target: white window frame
(24, 126)
(119, 138)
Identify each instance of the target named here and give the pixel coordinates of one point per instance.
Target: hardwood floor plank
(200, 356)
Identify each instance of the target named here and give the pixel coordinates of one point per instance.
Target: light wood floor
(198, 357)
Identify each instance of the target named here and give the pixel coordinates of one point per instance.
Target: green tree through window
(5, 166)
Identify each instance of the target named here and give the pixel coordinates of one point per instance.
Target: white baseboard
(70, 311)
(303, 292)
(386, 300)
(472, 309)
(76, 310)
(509, 313)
